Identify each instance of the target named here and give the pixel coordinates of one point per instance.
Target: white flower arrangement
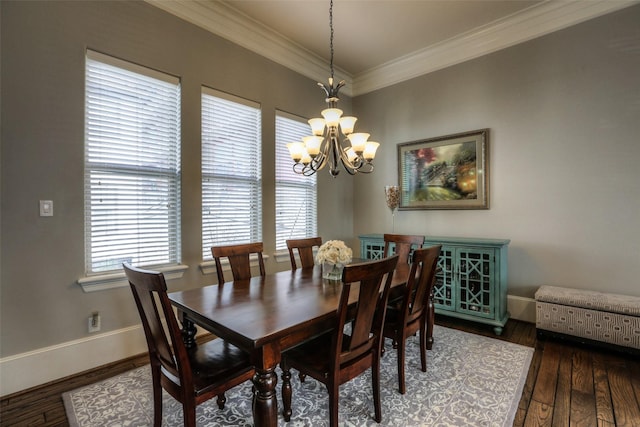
(334, 252)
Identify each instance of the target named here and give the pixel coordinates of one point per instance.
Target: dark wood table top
(251, 312)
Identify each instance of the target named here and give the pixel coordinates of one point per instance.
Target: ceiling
(381, 42)
(370, 33)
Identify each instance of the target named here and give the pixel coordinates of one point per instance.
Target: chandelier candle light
(392, 195)
(333, 255)
(324, 146)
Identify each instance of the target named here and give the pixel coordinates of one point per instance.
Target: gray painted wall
(43, 49)
(564, 118)
(563, 112)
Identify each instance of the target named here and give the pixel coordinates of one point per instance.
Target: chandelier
(325, 146)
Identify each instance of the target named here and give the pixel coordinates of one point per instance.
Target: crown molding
(541, 19)
(520, 27)
(229, 23)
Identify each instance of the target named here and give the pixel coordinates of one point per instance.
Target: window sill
(119, 280)
(209, 266)
(283, 255)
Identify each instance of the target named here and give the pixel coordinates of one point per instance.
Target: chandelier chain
(331, 36)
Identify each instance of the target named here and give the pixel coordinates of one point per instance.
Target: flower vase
(392, 195)
(332, 271)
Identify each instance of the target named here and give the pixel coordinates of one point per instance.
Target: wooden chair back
(305, 251)
(239, 260)
(403, 244)
(368, 320)
(420, 284)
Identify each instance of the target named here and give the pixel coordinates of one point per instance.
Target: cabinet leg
(497, 330)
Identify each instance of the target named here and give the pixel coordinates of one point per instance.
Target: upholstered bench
(594, 316)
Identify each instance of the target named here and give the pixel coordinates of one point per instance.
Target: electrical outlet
(94, 322)
(46, 207)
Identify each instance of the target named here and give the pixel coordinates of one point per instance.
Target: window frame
(291, 183)
(129, 174)
(240, 168)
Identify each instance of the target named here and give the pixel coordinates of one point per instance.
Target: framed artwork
(447, 172)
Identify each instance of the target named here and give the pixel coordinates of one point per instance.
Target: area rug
(471, 380)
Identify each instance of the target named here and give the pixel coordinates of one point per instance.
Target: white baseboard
(26, 370)
(33, 368)
(522, 308)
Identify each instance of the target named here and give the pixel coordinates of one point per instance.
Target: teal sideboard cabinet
(471, 282)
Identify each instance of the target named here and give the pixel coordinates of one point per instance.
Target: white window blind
(132, 165)
(231, 171)
(296, 195)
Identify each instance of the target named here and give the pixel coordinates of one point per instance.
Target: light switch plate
(46, 207)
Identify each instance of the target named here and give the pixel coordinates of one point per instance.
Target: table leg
(189, 330)
(431, 318)
(265, 404)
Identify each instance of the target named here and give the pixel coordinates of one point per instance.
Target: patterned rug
(471, 380)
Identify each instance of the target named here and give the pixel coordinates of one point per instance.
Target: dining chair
(305, 251)
(402, 245)
(238, 256)
(190, 375)
(415, 311)
(336, 357)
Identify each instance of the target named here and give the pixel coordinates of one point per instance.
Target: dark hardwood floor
(568, 384)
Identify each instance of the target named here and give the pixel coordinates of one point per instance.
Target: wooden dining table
(264, 316)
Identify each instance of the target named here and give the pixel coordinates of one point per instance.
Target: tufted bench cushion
(610, 318)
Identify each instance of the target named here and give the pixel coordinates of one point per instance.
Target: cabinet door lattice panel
(442, 293)
(475, 280)
(372, 250)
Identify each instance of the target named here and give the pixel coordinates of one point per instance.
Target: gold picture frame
(446, 172)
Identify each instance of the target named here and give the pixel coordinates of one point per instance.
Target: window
(296, 211)
(132, 165)
(231, 171)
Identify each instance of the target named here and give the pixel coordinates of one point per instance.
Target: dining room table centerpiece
(333, 255)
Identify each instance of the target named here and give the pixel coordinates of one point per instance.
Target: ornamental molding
(536, 21)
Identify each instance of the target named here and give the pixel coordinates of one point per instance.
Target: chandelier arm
(299, 168)
(334, 153)
(355, 165)
(345, 159)
(322, 157)
(349, 170)
(317, 163)
(348, 166)
(359, 165)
